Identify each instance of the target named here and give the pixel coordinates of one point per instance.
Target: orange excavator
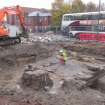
(11, 34)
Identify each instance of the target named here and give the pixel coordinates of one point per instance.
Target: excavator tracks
(9, 41)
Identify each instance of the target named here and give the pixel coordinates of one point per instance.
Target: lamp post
(99, 9)
(98, 25)
(38, 19)
(99, 5)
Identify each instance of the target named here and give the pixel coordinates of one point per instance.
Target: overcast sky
(35, 3)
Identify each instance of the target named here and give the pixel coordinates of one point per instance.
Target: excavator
(11, 34)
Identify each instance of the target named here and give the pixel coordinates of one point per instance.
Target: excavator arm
(19, 13)
(13, 11)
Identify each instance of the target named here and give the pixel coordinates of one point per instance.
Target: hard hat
(61, 51)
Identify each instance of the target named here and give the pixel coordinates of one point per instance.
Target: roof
(38, 13)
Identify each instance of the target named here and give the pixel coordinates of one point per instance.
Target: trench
(14, 60)
(99, 85)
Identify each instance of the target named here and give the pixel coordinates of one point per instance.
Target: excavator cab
(10, 34)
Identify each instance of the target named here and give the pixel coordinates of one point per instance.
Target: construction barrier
(92, 36)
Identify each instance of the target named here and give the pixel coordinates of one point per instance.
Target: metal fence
(43, 28)
(85, 33)
(84, 28)
(82, 33)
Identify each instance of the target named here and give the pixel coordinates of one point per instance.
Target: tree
(57, 4)
(57, 14)
(78, 6)
(91, 7)
(102, 7)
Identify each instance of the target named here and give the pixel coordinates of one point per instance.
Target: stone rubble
(36, 79)
(46, 37)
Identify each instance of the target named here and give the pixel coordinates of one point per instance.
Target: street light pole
(99, 9)
(98, 27)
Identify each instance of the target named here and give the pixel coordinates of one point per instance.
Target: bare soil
(14, 60)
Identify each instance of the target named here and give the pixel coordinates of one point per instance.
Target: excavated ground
(14, 60)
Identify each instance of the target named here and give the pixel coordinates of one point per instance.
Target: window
(64, 18)
(83, 17)
(76, 17)
(67, 18)
(94, 16)
(71, 17)
(102, 16)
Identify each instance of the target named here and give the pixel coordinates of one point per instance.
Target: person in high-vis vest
(62, 56)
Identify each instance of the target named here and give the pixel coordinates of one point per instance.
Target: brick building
(35, 22)
(40, 20)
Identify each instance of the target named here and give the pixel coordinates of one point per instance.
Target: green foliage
(65, 8)
(56, 17)
(57, 14)
(78, 6)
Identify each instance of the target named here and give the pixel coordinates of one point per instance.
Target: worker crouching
(62, 56)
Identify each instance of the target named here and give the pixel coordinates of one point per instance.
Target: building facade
(33, 22)
(40, 20)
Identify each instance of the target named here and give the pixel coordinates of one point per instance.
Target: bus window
(64, 18)
(71, 17)
(92, 17)
(77, 17)
(84, 17)
(102, 16)
(81, 17)
(68, 18)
